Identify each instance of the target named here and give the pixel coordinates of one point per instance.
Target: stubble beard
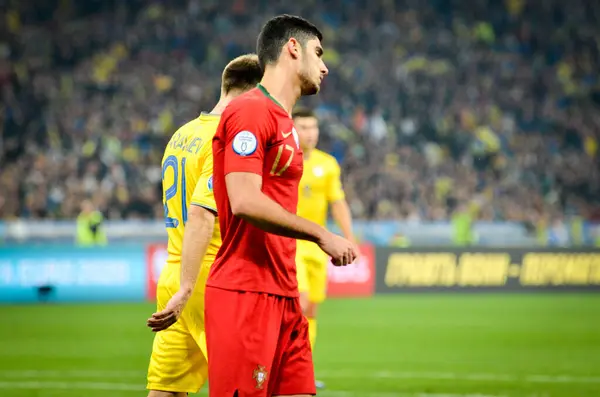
(307, 86)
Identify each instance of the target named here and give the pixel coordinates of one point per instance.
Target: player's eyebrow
(319, 51)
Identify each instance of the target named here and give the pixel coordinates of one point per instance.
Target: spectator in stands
(90, 230)
(494, 104)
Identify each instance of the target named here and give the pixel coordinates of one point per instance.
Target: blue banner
(68, 273)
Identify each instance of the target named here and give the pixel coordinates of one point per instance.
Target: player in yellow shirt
(178, 364)
(320, 188)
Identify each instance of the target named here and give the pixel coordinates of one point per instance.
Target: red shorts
(257, 345)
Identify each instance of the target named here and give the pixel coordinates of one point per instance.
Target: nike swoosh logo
(286, 135)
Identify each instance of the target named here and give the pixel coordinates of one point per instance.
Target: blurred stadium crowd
(430, 106)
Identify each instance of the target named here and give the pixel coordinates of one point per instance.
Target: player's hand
(357, 250)
(169, 316)
(342, 251)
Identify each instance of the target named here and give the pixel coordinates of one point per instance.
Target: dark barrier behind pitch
(481, 269)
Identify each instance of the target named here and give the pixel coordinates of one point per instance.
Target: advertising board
(68, 273)
(354, 280)
(411, 270)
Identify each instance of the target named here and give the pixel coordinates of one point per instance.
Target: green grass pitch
(430, 345)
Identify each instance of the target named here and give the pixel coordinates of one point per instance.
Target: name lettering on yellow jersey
(195, 144)
(180, 141)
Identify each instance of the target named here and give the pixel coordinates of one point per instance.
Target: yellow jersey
(187, 168)
(320, 185)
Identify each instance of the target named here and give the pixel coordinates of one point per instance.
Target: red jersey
(256, 135)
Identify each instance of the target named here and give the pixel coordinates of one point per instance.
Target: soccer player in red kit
(257, 337)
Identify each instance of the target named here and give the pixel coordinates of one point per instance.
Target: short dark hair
(302, 112)
(241, 74)
(277, 31)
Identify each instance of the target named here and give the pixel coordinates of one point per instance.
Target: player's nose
(324, 70)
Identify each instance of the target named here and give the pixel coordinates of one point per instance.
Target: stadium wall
(421, 234)
(505, 234)
(63, 273)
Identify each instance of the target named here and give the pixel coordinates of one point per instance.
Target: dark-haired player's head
(241, 75)
(297, 42)
(307, 126)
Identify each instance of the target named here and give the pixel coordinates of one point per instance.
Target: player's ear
(293, 47)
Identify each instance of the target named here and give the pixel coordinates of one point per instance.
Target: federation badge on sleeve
(209, 183)
(260, 376)
(244, 143)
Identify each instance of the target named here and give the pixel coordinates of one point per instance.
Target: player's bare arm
(199, 230)
(340, 211)
(196, 238)
(251, 204)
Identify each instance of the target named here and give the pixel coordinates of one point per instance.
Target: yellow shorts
(179, 359)
(311, 268)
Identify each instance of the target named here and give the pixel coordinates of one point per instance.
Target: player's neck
(306, 153)
(282, 86)
(221, 105)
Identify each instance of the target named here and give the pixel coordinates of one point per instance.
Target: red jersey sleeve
(247, 131)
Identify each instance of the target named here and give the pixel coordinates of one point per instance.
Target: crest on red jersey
(260, 376)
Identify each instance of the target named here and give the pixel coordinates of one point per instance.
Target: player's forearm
(266, 214)
(248, 202)
(343, 217)
(196, 238)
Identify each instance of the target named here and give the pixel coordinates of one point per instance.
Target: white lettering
(30, 273)
(6, 273)
(51, 272)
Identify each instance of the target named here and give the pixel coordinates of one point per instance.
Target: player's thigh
(317, 279)
(160, 393)
(242, 331)
(164, 287)
(294, 363)
(193, 314)
(177, 363)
